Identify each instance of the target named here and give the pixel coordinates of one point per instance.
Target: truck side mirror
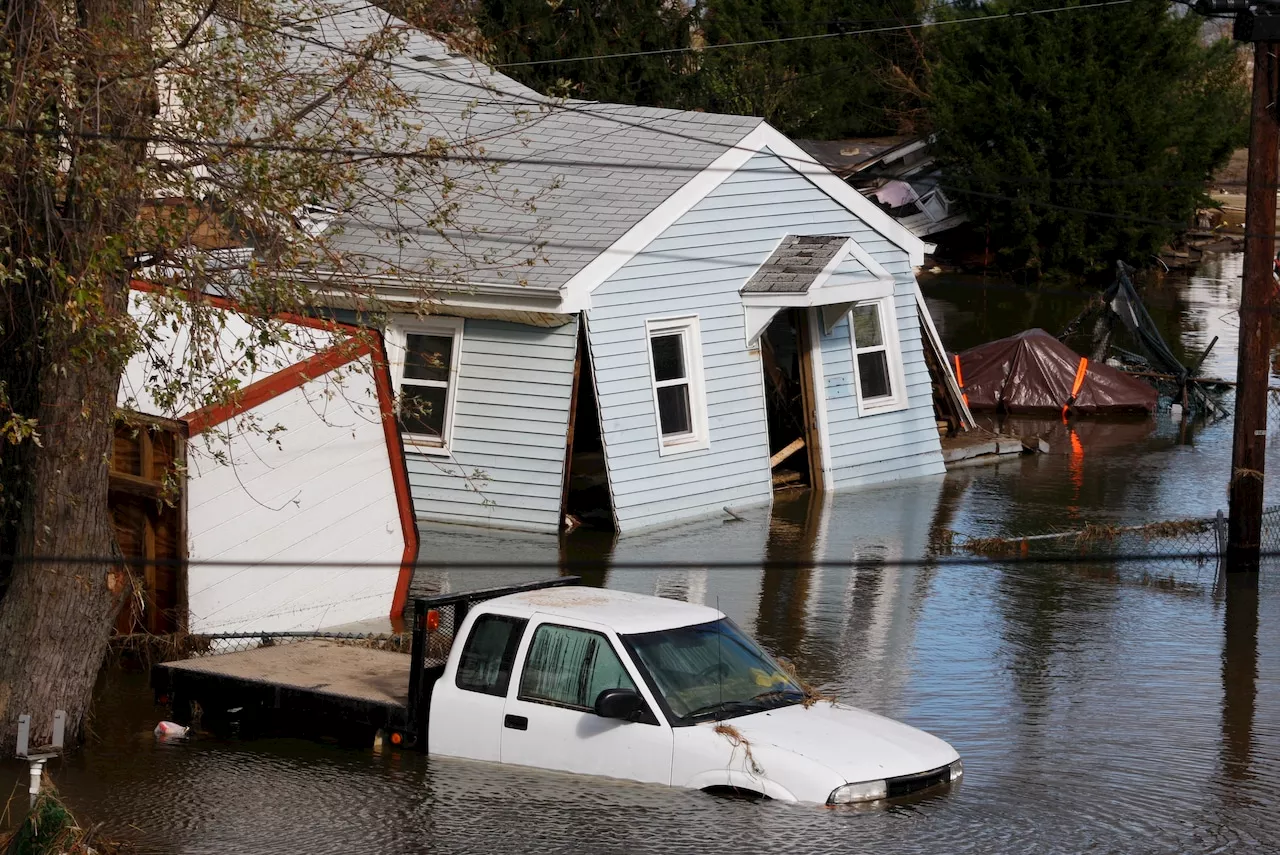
(625, 704)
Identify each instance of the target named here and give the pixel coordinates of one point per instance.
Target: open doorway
(789, 401)
(586, 500)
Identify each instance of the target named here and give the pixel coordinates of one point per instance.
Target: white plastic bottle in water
(169, 729)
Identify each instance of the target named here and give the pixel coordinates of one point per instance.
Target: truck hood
(855, 744)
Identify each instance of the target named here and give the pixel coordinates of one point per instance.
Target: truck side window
(570, 667)
(485, 664)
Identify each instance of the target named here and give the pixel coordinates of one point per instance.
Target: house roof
(540, 217)
(845, 157)
(795, 264)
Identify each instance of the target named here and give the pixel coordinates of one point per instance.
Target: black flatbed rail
(320, 685)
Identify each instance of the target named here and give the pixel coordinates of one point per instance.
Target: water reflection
(1239, 673)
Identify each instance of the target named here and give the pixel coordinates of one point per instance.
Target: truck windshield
(711, 671)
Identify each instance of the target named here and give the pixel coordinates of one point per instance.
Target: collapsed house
(711, 313)
(283, 507)
(898, 173)
(1034, 373)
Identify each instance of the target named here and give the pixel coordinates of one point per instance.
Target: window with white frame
(876, 356)
(426, 375)
(675, 365)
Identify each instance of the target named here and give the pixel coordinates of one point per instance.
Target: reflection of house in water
(836, 619)
(825, 600)
(735, 590)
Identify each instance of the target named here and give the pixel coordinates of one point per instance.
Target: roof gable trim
(576, 293)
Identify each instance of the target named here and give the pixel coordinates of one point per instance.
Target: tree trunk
(84, 72)
(56, 618)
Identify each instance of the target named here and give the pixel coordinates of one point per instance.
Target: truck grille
(907, 784)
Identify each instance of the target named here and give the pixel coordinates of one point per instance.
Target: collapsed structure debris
(1121, 309)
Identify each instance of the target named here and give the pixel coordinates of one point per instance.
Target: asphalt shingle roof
(795, 264)
(532, 224)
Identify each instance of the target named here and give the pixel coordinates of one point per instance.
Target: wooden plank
(321, 667)
(782, 455)
(808, 395)
(134, 485)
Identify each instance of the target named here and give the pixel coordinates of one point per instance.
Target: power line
(606, 562)
(784, 40)
(500, 160)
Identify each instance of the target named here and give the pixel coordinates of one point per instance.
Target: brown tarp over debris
(1033, 372)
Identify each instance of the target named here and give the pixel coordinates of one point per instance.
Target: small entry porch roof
(829, 271)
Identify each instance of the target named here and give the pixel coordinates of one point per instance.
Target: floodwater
(1097, 710)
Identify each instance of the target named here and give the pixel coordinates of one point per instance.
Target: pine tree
(538, 30)
(838, 85)
(1081, 137)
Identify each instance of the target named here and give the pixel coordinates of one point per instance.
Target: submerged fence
(1202, 539)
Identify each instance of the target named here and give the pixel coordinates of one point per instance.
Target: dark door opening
(586, 482)
(789, 401)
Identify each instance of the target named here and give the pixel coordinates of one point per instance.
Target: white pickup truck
(603, 682)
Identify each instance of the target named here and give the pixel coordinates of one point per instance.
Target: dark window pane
(485, 665)
(673, 410)
(668, 356)
(428, 357)
(422, 410)
(866, 326)
(873, 373)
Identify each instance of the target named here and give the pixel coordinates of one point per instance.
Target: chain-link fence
(1199, 539)
(152, 649)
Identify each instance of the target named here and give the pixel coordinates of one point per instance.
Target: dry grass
(1092, 534)
(994, 546)
(49, 828)
(141, 649)
(737, 740)
(812, 694)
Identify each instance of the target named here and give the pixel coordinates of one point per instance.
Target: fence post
(1220, 536)
(417, 654)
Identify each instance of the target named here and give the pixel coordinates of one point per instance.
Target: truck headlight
(957, 769)
(867, 791)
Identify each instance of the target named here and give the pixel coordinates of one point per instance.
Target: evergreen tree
(1081, 137)
(539, 30)
(836, 86)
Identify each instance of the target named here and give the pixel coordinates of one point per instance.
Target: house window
(675, 363)
(876, 356)
(425, 356)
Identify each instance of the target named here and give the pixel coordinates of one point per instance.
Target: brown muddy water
(1096, 711)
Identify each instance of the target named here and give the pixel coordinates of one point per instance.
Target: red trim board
(400, 478)
(261, 391)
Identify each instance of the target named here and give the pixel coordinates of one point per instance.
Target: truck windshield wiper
(725, 706)
(779, 695)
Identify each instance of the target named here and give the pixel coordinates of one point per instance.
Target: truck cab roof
(624, 612)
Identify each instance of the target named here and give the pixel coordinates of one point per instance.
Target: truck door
(549, 722)
(466, 713)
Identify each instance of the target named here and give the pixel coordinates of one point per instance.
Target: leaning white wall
(285, 508)
(276, 495)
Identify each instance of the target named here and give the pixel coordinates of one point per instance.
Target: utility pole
(1257, 22)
